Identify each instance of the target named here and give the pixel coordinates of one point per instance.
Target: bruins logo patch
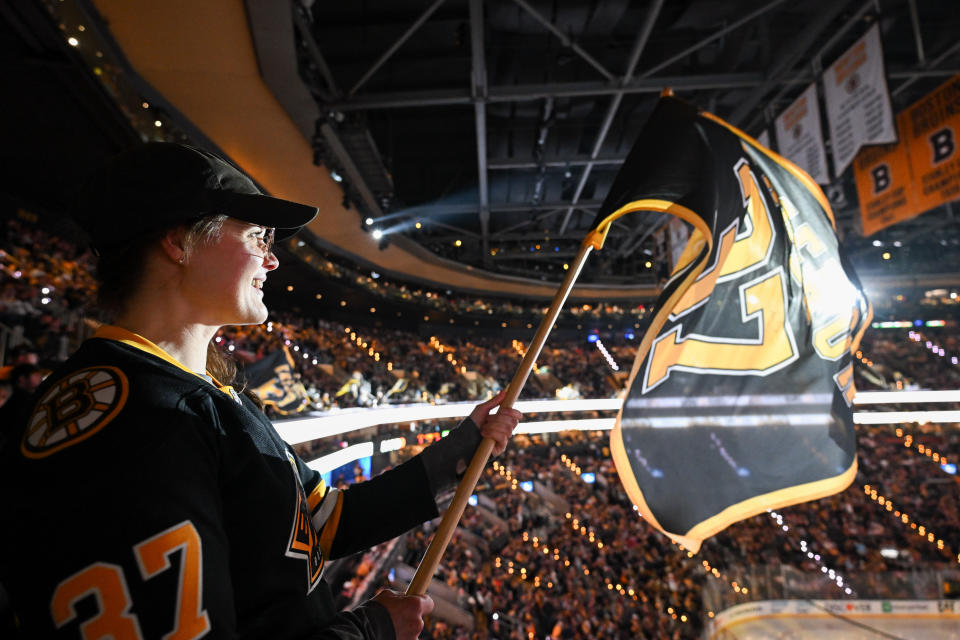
(73, 409)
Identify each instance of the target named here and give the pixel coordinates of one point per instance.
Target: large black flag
(273, 378)
(740, 396)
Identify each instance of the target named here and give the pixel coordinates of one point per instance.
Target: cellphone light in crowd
(589, 477)
(472, 500)
(628, 335)
(392, 575)
(527, 485)
(950, 468)
(592, 337)
(443, 434)
(889, 553)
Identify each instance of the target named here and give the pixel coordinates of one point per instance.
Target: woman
(152, 499)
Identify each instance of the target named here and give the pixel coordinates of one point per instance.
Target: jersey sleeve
(369, 621)
(368, 513)
(371, 512)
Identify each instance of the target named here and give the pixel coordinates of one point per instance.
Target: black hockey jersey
(145, 501)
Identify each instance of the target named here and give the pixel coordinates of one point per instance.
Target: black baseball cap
(159, 184)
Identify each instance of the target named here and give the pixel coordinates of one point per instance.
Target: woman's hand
(498, 426)
(406, 612)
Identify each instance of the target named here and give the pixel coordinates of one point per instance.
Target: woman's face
(224, 280)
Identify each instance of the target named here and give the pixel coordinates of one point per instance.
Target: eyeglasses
(265, 241)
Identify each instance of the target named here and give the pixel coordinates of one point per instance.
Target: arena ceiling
(503, 123)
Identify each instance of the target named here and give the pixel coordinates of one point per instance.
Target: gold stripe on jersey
(327, 519)
(119, 334)
(316, 496)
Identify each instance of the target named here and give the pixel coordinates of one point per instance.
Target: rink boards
(838, 620)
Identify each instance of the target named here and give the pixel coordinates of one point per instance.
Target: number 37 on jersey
(107, 584)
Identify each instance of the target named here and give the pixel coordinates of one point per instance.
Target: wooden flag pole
(431, 559)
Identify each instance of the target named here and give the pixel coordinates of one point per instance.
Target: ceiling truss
(747, 94)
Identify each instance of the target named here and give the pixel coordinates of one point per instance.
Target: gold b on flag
(740, 397)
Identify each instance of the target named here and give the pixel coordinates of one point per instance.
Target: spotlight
(377, 234)
(368, 221)
(336, 176)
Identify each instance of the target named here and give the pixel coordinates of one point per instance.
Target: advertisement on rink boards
(921, 172)
(799, 138)
(858, 104)
(854, 608)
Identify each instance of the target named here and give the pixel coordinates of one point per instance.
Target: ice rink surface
(839, 620)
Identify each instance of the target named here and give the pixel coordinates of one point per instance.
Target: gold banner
(922, 171)
(885, 185)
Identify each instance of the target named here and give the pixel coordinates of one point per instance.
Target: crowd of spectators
(330, 267)
(905, 359)
(46, 284)
(593, 569)
(348, 366)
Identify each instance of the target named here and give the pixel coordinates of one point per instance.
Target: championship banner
(931, 126)
(273, 380)
(857, 100)
(740, 397)
(799, 137)
(885, 186)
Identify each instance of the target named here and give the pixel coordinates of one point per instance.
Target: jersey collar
(119, 334)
